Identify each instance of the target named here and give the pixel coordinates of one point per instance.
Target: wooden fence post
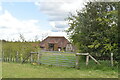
(77, 62)
(87, 59)
(38, 61)
(21, 58)
(6, 59)
(111, 59)
(39, 57)
(17, 56)
(31, 58)
(10, 57)
(94, 59)
(2, 56)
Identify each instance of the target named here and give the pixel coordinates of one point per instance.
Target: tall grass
(104, 66)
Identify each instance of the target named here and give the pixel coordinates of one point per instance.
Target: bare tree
(22, 38)
(44, 35)
(36, 38)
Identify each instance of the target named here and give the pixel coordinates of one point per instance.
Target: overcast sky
(35, 17)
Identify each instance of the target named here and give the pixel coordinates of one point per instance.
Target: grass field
(17, 70)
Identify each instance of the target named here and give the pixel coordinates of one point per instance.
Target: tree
(94, 29)
(22, 38)
(36, 38)
(44, 35)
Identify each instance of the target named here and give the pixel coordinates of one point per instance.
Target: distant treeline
(3, 40)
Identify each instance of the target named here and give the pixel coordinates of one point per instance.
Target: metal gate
(58, 58)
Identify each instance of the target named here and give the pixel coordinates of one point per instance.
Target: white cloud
(52, 24)
(57, 34)
(58, 26)
(10, 27)
(0, 8)
(58, 11)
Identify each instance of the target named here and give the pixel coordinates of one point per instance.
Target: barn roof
(60, 40)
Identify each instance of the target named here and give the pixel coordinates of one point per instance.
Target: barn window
(51, 45)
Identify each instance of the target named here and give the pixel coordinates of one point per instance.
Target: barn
(56, 43)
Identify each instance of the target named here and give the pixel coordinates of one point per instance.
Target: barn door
(51, 47)
(55, 47)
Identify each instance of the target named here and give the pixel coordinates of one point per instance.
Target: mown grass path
(16, 70)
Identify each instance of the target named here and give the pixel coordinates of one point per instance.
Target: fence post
(10, 57)
(94, 59)
(87, 59)
(17, 56)
(2, 56)
(111, 59)
(31, 58)
(7, 59)
(4, 59)
(39, 56)
(77, 61)
(38, 61)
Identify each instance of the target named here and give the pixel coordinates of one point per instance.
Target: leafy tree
(95, 28)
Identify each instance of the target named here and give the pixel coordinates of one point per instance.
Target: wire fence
(49, 58)
(67, 59)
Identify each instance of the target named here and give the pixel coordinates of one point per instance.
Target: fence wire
(57, 58)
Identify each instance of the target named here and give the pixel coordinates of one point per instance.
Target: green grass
(17, 70)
